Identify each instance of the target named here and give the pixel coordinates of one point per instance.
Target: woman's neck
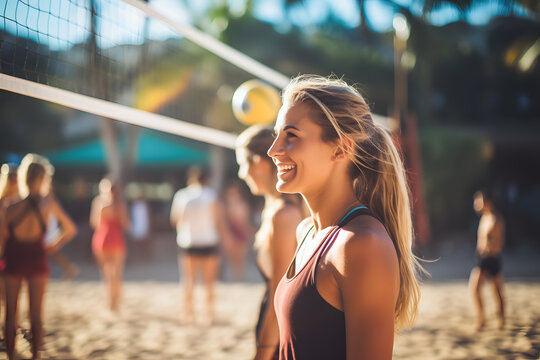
(34, 194)
(329, 204)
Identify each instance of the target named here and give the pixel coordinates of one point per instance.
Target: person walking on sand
(22, 231)
(488, 250)
(109, 218)
(275, 242)
(198, 218)
(352, 280)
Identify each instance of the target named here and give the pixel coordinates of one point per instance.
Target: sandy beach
(150, 325)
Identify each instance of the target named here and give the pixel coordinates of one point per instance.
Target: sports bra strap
(31, 205)
(357, 211)
(35, 206)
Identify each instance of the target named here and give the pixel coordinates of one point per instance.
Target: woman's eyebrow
(290, 127)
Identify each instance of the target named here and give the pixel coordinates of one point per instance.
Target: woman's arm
(368, 280)
(95, 211)
(177, 213)
(282, 245)
(69, 230)
(221, 224)
(124, 216)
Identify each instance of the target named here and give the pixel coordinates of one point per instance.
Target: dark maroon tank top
(309, 327)
(26, 258)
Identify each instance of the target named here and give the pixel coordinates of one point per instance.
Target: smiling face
(256, 171)
(304, 161)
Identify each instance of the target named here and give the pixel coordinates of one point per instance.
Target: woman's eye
(290, 135)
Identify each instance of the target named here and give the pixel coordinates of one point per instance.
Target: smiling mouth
(284, 169)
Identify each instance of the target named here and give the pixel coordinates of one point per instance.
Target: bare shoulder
(97, 202)
(286, 215)
(364, 241)
(285, 219)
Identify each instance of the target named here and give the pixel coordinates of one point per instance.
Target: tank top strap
(323, 248)
(331, 238)
(19, 217)
(31, 205)
(357, 211)
(35, 206)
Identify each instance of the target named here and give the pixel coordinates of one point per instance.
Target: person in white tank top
(198, 226)
(198, 218)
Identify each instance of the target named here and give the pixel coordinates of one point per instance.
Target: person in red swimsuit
(22, 243)
(352, 281)
(109, 218)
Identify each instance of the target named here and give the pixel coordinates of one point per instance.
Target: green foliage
(454, 165)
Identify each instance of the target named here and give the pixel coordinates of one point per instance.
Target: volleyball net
(126, 61)
(136, 62)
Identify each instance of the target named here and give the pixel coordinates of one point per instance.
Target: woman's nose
(242, 172)
(275, 149)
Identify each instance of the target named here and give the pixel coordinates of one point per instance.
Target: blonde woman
(9, 193)
(352, 281)
(275, 241)
(22, 242)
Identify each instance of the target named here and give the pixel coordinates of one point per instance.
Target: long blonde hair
(31, 168)
(378, 174)
(8, 172)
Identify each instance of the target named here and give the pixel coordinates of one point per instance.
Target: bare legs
(476, 281)
(187, 267)
(190, 266)
(70, 269)
(111, 265)
(36, 292)
(236, 254)
(499, 297)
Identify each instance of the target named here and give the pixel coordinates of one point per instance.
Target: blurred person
(9, 193)
(70, 269)
(140, 227)
(198, 218)
(275, 241)
(237, 218)
(490, 241)
(352, 281)
(22, 243)
(109, 218)
(9, 190)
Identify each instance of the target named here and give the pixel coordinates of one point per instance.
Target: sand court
(79, 326)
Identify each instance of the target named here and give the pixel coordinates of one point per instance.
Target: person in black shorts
(488, 250)
(198, 217)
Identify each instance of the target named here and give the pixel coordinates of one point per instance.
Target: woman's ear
(343, 149)
(255, 159)
(339, 153)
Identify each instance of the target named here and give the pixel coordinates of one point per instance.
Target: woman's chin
(255, 190)
(285, 188)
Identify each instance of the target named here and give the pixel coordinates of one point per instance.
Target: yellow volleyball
(255, 102)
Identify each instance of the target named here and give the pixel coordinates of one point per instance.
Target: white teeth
(286, 167)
